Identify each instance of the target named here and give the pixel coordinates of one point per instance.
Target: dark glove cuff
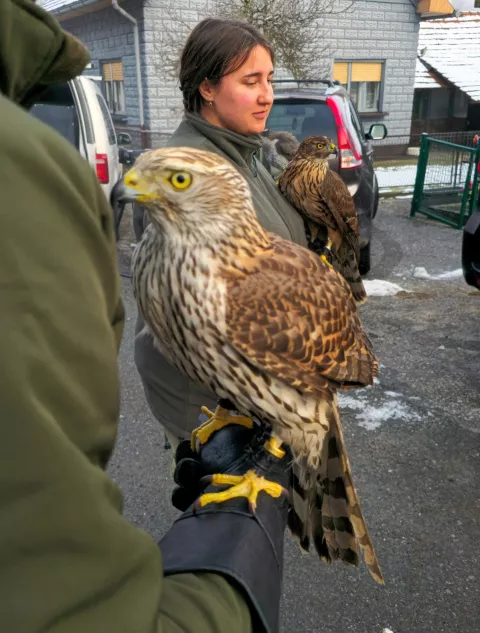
(244, 548)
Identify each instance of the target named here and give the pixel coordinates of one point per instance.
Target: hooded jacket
(69, 561)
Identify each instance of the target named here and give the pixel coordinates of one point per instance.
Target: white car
(78, 111)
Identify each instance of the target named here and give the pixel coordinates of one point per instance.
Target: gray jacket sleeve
(173, 398)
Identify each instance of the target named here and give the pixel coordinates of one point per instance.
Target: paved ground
(413, 440)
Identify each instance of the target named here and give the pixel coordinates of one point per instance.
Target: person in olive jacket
(69, 561)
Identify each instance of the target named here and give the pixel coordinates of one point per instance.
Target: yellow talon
(274, 447)
(216, 421)
(248, 486)
(328, 247)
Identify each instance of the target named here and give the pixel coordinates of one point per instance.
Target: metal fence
(446, 186)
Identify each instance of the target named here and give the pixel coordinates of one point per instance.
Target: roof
(450, 47)
(424, 78)
(62, 6)
(52, 5)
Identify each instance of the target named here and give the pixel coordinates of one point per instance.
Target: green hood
(34, 51)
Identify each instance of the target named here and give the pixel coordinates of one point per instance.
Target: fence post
(467, 195)
(474, 196)
(420, 177)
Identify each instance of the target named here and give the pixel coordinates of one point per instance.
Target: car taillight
(348, 156)
(101, 161)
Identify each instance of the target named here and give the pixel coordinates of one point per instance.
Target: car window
(303, 118)
(63, 118)
(87, 119)
(112, 137)
(357, 121)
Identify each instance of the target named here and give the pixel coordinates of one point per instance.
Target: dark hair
(215, 47)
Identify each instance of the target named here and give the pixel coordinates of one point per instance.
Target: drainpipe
(136, 42)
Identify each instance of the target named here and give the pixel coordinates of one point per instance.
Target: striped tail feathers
(345, 263)
(326, 507)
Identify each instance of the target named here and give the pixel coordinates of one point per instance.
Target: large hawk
(323, 200)
(261, 322)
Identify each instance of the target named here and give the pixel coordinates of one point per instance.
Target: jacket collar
(240, 149)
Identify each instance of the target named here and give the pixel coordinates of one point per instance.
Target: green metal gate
(446, 185)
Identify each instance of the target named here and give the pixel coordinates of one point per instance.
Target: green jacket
(69, 561)
(173, 398)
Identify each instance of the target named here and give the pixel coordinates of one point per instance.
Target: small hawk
(261, 322)
(324, 201)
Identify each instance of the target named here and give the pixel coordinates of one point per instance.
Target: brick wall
(374, 29)
(386, 31)
(167, 25)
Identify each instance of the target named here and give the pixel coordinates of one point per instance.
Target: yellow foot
(274, 447)
(248, 485)
(327, 258)
(216, 421)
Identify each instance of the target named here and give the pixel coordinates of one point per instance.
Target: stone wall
(167, 25)
(388, 32)
(372, 30)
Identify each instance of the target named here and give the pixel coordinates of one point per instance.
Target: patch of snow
(452, 274)
(421, 273)
(372, 414)
(372, 417)
(381, 288)
(441, 347)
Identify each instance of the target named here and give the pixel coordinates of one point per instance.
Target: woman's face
(242, 100)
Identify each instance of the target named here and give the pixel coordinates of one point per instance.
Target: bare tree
(296, 29)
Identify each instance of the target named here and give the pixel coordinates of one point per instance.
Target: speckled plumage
(260, 321)
(323, 200)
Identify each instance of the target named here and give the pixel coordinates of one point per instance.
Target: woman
(226, 80)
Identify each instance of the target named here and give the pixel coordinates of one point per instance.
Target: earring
(210, 103)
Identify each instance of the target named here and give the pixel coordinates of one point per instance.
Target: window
(477, 4)
(113, 88)
(107, 119)
(363, 80)
(302, 118)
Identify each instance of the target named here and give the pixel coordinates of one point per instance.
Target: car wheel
(376, 197)
(365, 263)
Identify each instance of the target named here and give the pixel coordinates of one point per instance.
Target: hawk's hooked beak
(333, 149)
(130, 188)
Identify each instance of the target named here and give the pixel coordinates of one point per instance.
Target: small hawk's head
(187, 188)
(316, 147)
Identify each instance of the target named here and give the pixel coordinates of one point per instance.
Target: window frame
(110, 90)
(381, 83)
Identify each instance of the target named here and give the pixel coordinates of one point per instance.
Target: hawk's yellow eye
(320, 145)
(181, 180)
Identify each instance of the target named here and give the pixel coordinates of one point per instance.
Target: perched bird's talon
(274, 447)
(248, 485)
(216, 420)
